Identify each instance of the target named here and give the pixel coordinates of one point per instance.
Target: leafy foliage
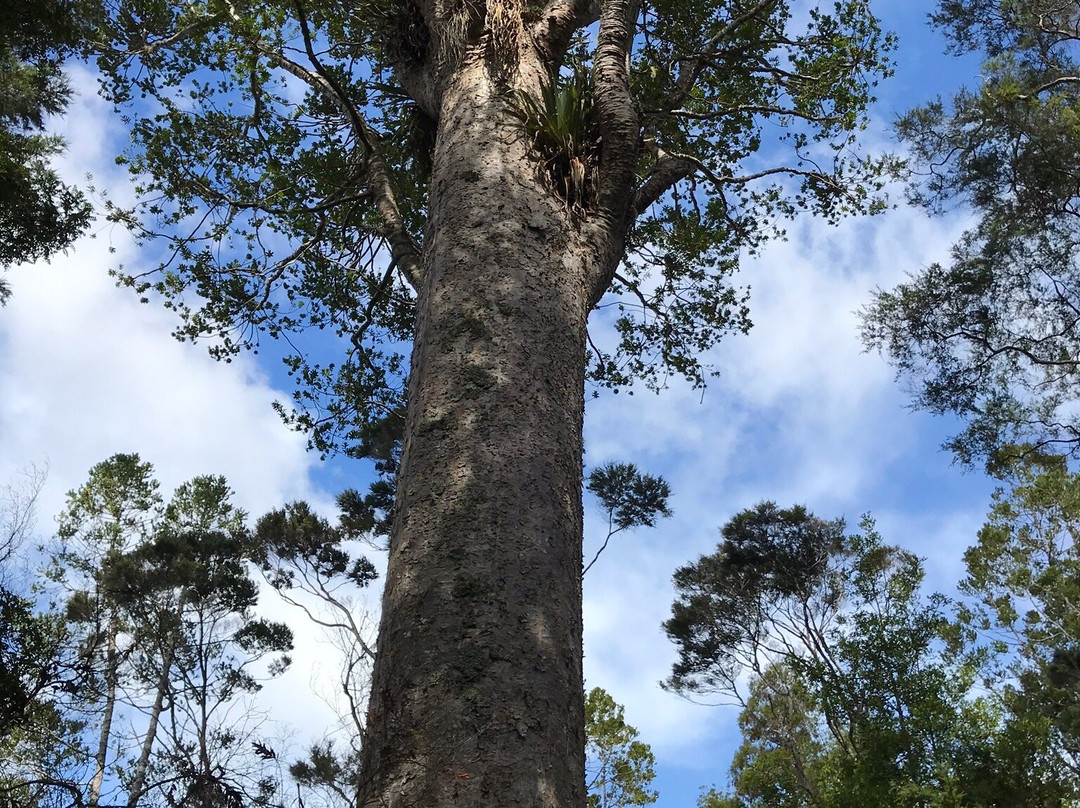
(283, 151)
(562, 126)
(628, 497)
(859, 689)
(39, 215)
(992, 335)
(160, 605)
(1025, 573)
(619, 768)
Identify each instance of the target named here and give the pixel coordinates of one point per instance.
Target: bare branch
(18, 510)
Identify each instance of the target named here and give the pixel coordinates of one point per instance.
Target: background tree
(855, 694)
(1025, 574)
(106, 518)
(465, 179)
(993, 334)
(160, 605)
(618, 767)
(39, 215)
(42, 755)
(201, 651)
(312, 566)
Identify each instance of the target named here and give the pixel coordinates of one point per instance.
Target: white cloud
(799, 414)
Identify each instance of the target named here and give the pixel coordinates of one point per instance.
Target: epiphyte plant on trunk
(270, 152)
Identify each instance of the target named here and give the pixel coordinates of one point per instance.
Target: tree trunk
(138, 781)
(101, 755)
(477, 687)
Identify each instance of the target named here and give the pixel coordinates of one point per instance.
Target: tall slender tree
(470, 180)
(199, 649)
(106, 518)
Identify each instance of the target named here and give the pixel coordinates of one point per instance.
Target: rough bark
(477, 685)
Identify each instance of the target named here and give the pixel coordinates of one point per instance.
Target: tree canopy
(39, 215)
(992, 334)
(855, 689)
(284, 149)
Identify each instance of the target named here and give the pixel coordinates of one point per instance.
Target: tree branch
(620, 134)
(668, 171)
(558, 22)
(403, 249)
(688, 76)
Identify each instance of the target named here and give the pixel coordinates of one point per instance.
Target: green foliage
(32, 667)
(39, 215)
(1024, 573)
(628, 497)
(619, 768)
(562, 126)
(858, 693)
(257, 130)
(294, 541)
(992, 334)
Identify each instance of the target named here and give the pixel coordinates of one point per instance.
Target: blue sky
(799, 414)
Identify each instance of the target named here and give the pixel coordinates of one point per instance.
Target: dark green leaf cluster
(32, 664)
(296, 539)
(630, 498)
(770, 562)
(859, 690)
(993, 335)
(39, 215)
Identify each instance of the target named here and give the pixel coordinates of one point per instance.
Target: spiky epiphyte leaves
(562, 126)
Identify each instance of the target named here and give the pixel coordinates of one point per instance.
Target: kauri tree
(433, 196)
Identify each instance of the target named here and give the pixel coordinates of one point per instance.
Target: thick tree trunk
(477, 687)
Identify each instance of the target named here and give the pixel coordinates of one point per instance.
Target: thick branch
(620, 134)
(558, 23)
(403, 249)
(669, 170)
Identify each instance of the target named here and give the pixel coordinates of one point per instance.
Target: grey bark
(138, 781)
(477, 685)
(477, 691)
(101, 755)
